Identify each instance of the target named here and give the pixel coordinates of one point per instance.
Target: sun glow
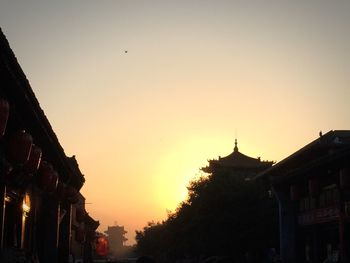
(171, 189)
(177, 167)
(143, 123)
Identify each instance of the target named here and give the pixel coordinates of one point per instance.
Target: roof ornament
(236, 148)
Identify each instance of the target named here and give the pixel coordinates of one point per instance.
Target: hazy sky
(142, 123)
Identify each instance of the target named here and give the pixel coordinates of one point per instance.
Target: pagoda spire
(236, 148)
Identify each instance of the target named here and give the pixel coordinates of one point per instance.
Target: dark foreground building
(313, 190)
(38, 183)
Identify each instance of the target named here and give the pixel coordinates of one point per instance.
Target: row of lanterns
(297, 191)
(22, 152)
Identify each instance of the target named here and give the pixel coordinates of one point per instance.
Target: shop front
(313, 190)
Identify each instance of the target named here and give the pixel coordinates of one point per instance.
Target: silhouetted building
(313, 190)
(116, 239)
(90, 226)
(256, 212)
(237, 164)
(38, 184)
(83, 229)
(78, 229)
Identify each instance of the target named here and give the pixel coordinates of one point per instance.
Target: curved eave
(27, 108)
(324, 147)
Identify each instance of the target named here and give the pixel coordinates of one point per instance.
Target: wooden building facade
(313, 190)
(38, 184)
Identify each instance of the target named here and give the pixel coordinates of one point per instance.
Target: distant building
(116, 239)
(90, 226)
(312, 187)
(237, 164)
(83, 236)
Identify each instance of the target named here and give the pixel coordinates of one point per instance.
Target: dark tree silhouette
(223, 215)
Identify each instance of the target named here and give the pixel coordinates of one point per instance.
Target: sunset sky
(195, 75)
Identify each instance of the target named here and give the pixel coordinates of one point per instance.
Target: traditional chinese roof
(116, 232)
(26, 113)
(115, 229)
(91, 223)
(79, 179)
(237, 160)
(330, 149)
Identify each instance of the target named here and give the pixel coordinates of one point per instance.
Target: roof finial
(236, 148)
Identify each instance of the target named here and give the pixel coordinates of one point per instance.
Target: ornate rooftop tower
(237, 162)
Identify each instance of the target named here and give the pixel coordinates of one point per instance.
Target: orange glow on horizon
(143, 123)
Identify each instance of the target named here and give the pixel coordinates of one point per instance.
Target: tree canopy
(224, 215)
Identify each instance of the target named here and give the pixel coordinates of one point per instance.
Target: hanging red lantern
(80, 214)
(20, 146)
(102, 246)
(314, 186)
(32, 165)
(4, 115)
(44, 174)
(295, 192)
(344, 178)
(47, 177)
